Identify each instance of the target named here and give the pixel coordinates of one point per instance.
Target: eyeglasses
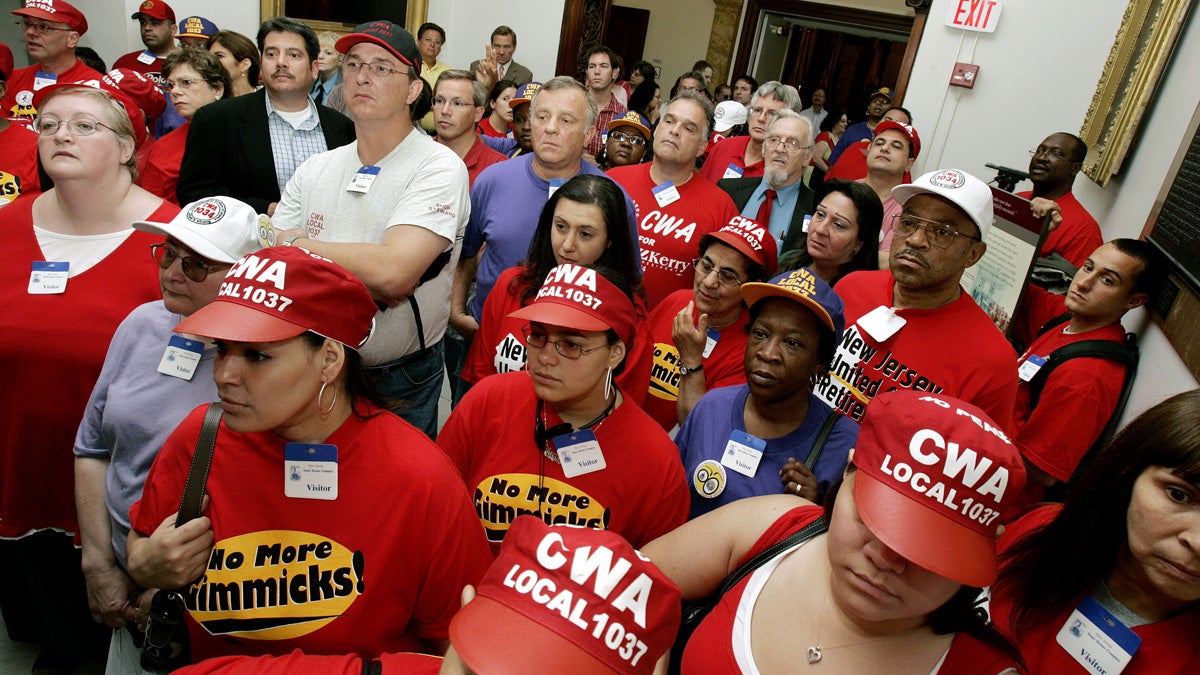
(1052, 153)
(78, 126)
(940, 235)
(622, 137)
(183, 83)
(565, 348)
(194, 268)
(433, 41)
(40, 27)
(758, 110)
(456, 103)
(705, 267)
(790, 145)
(352, 66)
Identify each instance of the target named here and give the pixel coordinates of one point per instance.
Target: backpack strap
(1125, 353)
(818, 526)
(822, 436)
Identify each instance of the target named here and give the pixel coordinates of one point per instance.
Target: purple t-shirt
(705, 433)
(506, 203)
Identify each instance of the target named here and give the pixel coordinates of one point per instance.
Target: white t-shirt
(421, 183)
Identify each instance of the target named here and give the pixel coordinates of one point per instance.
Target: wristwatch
(684, 371)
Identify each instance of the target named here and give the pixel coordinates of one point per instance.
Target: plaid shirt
(291, 146)
(607, 113)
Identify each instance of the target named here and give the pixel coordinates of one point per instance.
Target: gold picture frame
(416, 14)
(1147, 36)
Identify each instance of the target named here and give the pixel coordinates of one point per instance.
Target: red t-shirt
(1076, 401)
(670, 235)
(954, 349)
(723, 367)
(485, 127)
(1077, 237)
(143, 62)
(18, 100)
(641, 493)
(52, 348)
(480, 157)
(161, 174)
(299, 663)
(18, 163)
(377, 569)
(1167, 646)
(730, 151)
(499, 347)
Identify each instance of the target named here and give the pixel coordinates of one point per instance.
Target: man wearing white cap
(913, 327)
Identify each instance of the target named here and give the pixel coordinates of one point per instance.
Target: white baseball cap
(221, 229)
(964, 190)
(728, 115)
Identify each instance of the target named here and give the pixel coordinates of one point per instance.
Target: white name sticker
(733, 171)
(48, 278)
(146, 58)
(881, 323)
(579, 453)
(310, 471)
(181, 357)
(1097, 639)
(1030, 367)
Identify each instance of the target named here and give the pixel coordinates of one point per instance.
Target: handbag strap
(193, 489)
(816, 527)
(822, 436)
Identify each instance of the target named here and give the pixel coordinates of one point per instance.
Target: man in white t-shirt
(390, 208)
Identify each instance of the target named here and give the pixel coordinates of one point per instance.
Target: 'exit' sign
(976, 15)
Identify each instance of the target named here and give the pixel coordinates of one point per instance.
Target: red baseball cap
(388, 35)
(139, 88)
(528, 609)
(914, 140)
(55, 11)
(155, 10)
(581, 298)
(936, 478)
(750, 239)
(6, 62)
(136, 116)
(281, 292)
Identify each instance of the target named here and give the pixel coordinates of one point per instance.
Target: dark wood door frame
(903, 24)
(583, 24)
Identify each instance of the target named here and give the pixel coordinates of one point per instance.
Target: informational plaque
(998, 281)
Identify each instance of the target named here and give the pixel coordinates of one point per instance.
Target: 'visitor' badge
(310, 471)
(146, 57)
(555, 183)
(743, 452)
(665, 193)
(42, 80)
(733, 171)
(579, 453)
(181, 357)
(1097, 639)
(363, 179)
(48, 278)
(710, 342)
(1030, 367)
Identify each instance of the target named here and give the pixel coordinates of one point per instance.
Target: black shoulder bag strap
(822, 436)
(193, 489)
(816, 527)
(435, 268)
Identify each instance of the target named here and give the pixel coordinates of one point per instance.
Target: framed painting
(1147, 36)
(342, 17)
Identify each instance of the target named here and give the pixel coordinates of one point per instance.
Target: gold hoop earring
(320, 395)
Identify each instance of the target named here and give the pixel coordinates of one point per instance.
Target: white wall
(677, 35)
(1037, 75)
(469, 25)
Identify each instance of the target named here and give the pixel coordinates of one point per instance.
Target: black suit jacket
(228, 151)
(740, 189)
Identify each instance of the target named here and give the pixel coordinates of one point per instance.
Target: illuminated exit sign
(976, 15)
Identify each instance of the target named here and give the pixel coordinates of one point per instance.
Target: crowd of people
(704, 349)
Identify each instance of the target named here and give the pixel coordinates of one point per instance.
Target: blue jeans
(417, 385)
